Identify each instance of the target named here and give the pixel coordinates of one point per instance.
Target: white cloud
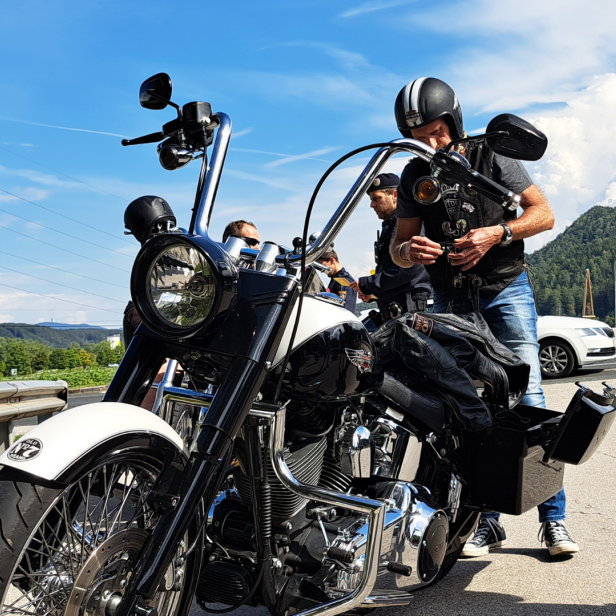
(241, 133)
(579, 167)
(79, 130)
(533, 52)
(370, 7)
(39, 178)
(296, 157)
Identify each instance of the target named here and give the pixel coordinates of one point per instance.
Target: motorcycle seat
(427, 408)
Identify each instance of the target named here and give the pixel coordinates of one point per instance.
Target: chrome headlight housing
(181, 283)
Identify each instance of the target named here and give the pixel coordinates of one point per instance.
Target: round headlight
(181, 286)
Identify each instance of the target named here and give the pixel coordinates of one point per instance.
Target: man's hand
(474, 245)
(364, 298)
(420, 249)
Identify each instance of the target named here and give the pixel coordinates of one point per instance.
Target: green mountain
(56, 338)
(558, 270)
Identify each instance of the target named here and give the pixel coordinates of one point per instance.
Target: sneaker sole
(472, 553)
(561, 550)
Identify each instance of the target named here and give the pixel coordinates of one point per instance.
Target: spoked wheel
(73, 553)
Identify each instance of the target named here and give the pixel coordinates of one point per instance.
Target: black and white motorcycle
(280, 466)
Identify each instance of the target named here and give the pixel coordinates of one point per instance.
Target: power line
(63, 174)
(62, 329)
(74, 237)
(68, 301)
(62, 270)
(81, 256)
(59, 284)
(64, 216)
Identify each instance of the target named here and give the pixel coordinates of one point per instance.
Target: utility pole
(588, 295)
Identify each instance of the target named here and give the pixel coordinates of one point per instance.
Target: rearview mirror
(155, 92)
(517, 138)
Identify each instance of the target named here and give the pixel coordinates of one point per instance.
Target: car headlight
(585, 331)
(180, 283)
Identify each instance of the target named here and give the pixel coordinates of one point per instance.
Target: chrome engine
(325, 539)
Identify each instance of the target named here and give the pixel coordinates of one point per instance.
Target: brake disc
(99, 587)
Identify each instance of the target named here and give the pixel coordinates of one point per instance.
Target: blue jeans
(512, 317)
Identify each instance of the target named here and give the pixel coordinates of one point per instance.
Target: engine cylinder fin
(305, 460)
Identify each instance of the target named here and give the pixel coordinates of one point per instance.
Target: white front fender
(50, 448)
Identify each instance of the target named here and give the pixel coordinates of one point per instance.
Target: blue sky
(304, 82)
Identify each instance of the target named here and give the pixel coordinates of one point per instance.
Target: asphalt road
(81, 399)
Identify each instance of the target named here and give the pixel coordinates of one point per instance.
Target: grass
(75, 377)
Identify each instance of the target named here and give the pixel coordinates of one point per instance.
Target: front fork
(205, 472)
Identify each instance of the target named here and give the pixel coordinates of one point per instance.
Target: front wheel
(72, 552)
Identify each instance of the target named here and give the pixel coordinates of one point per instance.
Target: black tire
(556, 358)
(47, 540)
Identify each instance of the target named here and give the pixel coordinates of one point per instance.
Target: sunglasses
(251, 241)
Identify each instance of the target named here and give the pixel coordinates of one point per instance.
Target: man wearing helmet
(484, 267)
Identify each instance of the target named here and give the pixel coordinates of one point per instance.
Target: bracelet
(400, 247)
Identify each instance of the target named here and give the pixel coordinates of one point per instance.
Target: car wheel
(556, 359)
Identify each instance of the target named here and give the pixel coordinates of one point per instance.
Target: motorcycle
(281, 466)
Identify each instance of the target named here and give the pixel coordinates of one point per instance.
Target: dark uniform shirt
(346, 293)
(393, 283)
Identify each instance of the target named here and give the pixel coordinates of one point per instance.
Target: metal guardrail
(23, 399)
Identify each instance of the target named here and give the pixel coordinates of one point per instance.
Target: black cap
(383, 181)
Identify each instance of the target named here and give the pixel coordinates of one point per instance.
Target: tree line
(558, 270)
(29, 356)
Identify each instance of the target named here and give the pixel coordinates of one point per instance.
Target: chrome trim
(157, 407)
(375, 510)
(355, 195)
(356, 452)
(212, 179)
(266, 259)
(388, 598)
(397, 450)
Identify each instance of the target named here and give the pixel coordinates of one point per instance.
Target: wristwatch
(507, 235)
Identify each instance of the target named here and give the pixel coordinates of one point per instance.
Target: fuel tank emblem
(361, 359)
(25, 450)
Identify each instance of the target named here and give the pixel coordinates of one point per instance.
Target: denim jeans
(512, 317)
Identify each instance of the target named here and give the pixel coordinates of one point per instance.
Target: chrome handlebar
(212, 179)
(355, 195)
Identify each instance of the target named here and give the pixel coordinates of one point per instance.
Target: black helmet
(424, 100)
(144, 214)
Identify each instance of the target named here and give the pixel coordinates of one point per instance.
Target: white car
(568, 343)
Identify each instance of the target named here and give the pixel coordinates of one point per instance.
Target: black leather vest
(453, 216)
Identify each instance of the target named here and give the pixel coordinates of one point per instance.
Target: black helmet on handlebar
(146, 216)
(424, 100)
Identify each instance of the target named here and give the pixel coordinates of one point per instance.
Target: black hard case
(506, 471)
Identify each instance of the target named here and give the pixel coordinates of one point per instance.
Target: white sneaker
(557, 539)
(489, 535)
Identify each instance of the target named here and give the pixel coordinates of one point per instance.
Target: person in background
(409, 288)
(338, 276)
(245, 230)
(144, 218)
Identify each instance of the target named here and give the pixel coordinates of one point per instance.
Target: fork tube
(217, 161)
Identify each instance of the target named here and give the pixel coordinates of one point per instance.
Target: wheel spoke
(108, 509)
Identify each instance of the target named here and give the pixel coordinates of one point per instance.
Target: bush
(79, 377)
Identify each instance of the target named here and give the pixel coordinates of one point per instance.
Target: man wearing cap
(410, 288)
